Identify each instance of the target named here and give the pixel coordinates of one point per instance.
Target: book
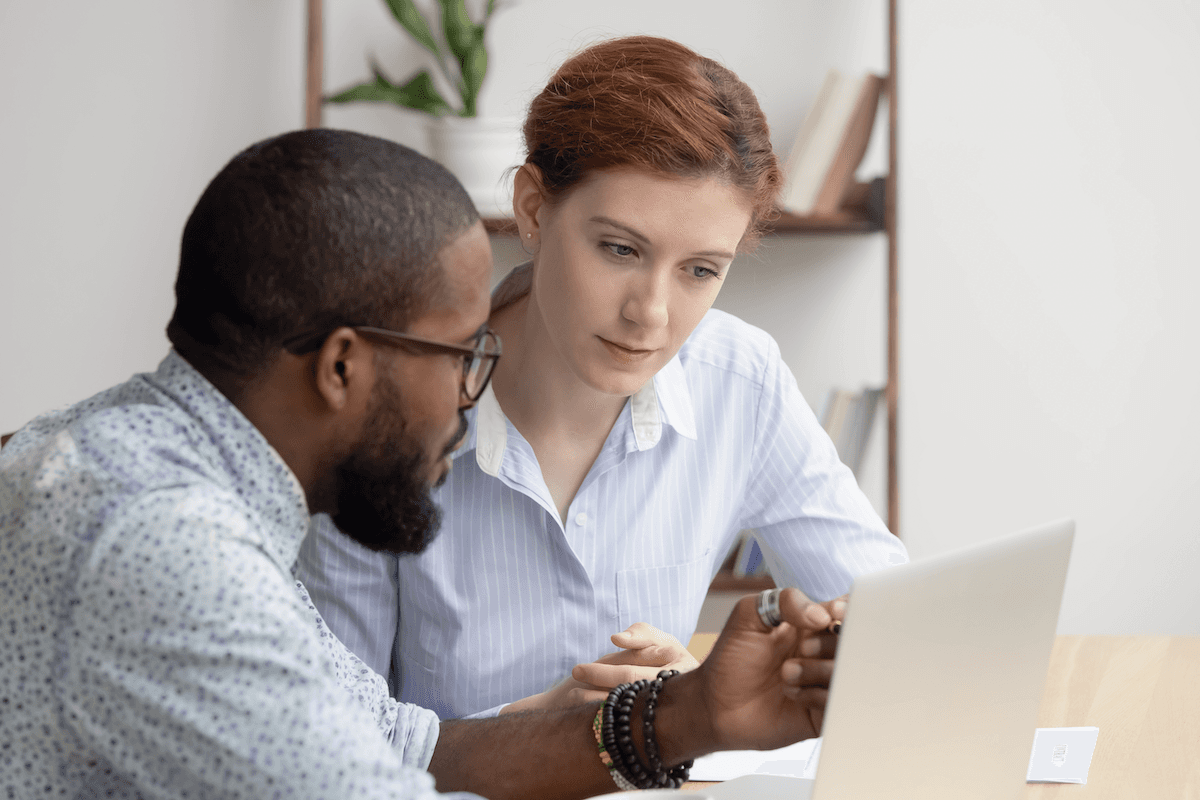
(837, 406)
(748, 561)
(848, 418)
(830, 143)
(839, 177)
(857, 431)
(801, 174)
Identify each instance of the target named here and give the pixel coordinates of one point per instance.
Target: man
(329, 333)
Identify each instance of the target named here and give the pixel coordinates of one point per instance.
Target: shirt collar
(491, 433)
(674, 401)
(664, 399)
(255, 469)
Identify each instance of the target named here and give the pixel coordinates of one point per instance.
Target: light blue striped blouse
(508, 598)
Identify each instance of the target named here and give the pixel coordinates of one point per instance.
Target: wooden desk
(1142, 692)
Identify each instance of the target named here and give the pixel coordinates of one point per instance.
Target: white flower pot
(479, 151)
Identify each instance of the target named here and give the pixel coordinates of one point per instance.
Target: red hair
(652, 104)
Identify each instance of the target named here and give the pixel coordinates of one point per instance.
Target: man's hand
(645, 651)
(761, 687)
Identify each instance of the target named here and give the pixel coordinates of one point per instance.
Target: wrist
(683, 722)
(627, 736)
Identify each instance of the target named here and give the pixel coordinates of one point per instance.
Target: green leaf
(461, 33)
(406, 14)
(474, 67)
(419, 94)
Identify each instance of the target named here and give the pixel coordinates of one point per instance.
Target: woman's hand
(645, 650)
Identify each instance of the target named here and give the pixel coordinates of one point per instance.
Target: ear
(344, 372)
(529, 197)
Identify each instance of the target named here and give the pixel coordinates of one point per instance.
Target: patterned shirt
(155, 642)
(509, 597)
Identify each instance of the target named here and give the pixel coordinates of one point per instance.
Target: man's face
(416, 418)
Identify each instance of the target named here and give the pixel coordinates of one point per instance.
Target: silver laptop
(939, 677)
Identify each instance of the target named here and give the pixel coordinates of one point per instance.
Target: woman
(629, 432)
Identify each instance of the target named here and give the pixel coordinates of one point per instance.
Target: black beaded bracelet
(678, 774)
(616, 737)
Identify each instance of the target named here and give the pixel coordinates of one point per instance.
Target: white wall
(1048, 351)
(113, 118)
(1050, 339)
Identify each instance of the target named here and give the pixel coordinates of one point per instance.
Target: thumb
(637, 636)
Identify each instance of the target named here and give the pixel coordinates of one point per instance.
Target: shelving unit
(859, 223)
(851, 222)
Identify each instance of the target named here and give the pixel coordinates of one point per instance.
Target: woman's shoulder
(729, 344)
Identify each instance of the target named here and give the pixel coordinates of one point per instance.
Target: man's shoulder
(94, 457)
(729, 345)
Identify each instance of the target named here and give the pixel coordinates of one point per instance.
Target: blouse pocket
(668, 598)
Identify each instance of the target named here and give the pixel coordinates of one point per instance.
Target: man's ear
(529, 197)
(344, 371)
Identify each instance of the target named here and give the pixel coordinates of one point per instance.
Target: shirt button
(581, 518)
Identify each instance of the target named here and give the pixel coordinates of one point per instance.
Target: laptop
(940, 670)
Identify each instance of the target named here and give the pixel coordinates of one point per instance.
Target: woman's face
(628, 263)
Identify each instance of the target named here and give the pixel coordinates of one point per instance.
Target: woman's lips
(626, 355)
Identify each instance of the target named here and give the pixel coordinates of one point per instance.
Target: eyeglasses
(478, 361)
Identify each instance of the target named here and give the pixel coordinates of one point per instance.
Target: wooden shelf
(842, 222)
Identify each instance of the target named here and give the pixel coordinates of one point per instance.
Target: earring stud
(529, 236)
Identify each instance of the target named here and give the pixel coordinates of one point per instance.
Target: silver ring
(768, 607)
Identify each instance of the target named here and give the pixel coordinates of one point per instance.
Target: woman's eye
(622, 250)
(703, 272)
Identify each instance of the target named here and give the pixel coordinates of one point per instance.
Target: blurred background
(1049, 362)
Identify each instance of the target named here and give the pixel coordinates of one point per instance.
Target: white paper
(797, 760)
(1061, 755)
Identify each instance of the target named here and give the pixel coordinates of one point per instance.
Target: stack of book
(831, 143)
(848, 418)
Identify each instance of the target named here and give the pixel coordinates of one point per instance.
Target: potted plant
(476, 149)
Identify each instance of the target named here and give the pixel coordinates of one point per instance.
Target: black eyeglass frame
(487, 358)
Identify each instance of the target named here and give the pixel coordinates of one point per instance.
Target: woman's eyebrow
(631, 231)
(637, 235)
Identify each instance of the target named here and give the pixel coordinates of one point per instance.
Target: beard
(383, 500)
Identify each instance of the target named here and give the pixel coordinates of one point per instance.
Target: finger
(812, 700)
(640, 635)
(660, 656)
(581, 695)
(818, 645)
(808, 672)
(610, 675)
(837, 610)
(797, 609)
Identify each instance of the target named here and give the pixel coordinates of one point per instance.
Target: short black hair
(309, 231)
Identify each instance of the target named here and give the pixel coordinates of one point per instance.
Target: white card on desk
(1061, 755)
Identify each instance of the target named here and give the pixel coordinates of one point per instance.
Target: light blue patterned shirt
(155, 642)
(509, 598)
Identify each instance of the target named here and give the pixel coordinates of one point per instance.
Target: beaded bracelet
(678, 775)
(614, 738)
(619, 779)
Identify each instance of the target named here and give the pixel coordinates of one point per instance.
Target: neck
(537, 389)
(277, 404)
